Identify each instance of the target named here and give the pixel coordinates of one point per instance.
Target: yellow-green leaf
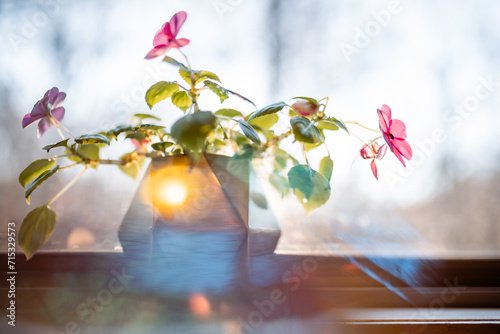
(264, 122)
(39, 180)
(36, 229)
(34, 170)
(160, 91)
(311, 188)
(181, 100)
(326, 167)
(327, 125)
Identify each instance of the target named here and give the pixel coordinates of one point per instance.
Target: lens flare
(172, 193)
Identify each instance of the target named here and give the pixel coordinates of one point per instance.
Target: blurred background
(435, 64)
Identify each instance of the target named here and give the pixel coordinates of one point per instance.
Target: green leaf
(113, 133)
(310, 99)
(207, 75)
(192, 130)
(327, 125)
(285, 155)
(161, 146)
(146, 116)
(271, 109)
(245, 153)
(36, 229)
(279, 182)
(340, 124)
(259, 200)
(228, 112)
(264, 122)
(304, 130)
(217, 89)
(309, 147)
(249, 131)
(181, 100)
(34, 170)
(160, 91)
(134, 164)
(172, 61)
(58, 144)
(148, 127)
(92, 139)
(89, 151)
(137, 135)
(198, 76)
(38, 181)
(311, 188)
(326, 167)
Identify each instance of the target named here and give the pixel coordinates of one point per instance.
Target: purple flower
(49, 106)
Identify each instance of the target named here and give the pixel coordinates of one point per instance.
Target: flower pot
(186, 220)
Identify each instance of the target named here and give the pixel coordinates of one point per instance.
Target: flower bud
(306, 108)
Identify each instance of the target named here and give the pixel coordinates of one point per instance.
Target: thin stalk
(303, 147)
(65, 129)
(355, 122)
(63, 190)
(55, 124)
(72, 165)
(193, 89)
(324, 105)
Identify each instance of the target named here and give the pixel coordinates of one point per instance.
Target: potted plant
(225, 138)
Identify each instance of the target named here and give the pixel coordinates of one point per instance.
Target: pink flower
(373, 151)
(305, 108)
(394, 132)
(165, 38)
(47, 107)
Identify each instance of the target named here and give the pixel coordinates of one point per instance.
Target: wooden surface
(316, 299)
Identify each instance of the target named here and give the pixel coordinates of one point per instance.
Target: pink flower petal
(403, 148)
(388, 140)
(373, 166)
(367, 152)
(398, 129)
(156, 51)
(381, 152)
(58, 113)
(176, 22)
(399, 156)
(387, 111)
(160, 38)
(178, 43)
(384, 121)
(43, 126)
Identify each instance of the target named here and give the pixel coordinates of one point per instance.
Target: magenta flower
(394, 132)
(306, 108)
(373, 151)
(49, 106)
(165, 38)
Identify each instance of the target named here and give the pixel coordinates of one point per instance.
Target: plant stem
(69, 166)
(327, 100)
(303, 147)
(355, 122)
(65, 129)
(63, 190)
(192, 92)
(55, 124)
